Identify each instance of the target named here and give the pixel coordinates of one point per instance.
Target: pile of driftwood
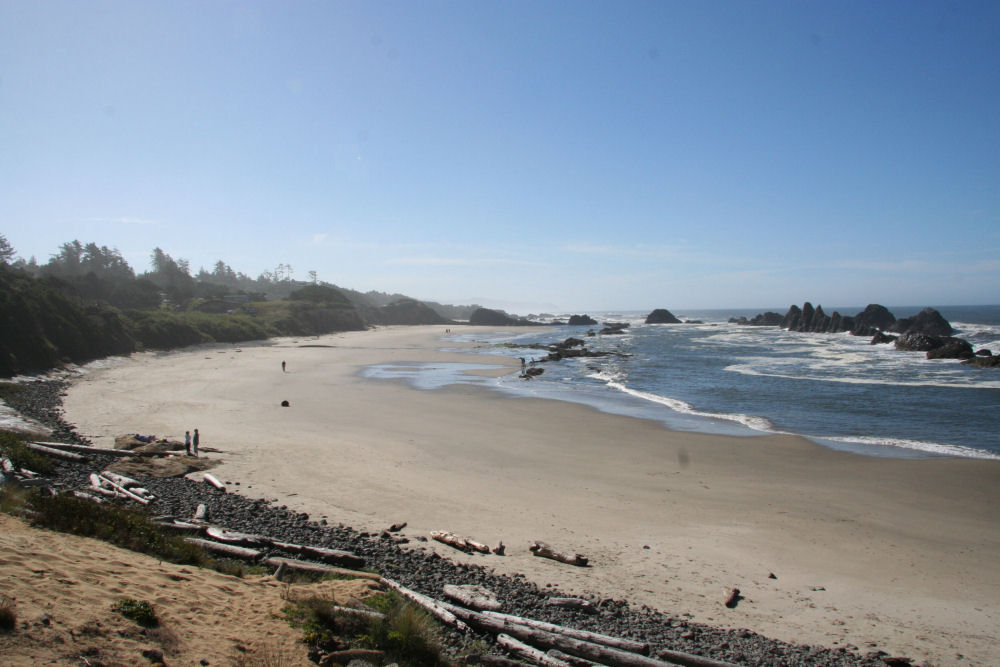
(538, 548)
(542, 643)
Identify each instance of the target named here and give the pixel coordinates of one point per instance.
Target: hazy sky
(533, 155)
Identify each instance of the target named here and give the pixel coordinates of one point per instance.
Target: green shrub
(12, 446)
(407, 635)
(120, 526)
(139, 611)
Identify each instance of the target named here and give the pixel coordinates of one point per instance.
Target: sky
(528, 155)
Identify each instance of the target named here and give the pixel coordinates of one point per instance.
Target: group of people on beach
(191, 443)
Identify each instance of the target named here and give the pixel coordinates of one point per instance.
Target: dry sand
(896, 555)
(63, 587)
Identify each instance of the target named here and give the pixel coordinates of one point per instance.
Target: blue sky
(582, 155)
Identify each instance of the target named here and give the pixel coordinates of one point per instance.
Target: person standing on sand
(195, 442)
(187, 442)
(282, 366)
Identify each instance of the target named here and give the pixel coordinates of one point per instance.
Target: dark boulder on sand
(661, 316)
(927, 321)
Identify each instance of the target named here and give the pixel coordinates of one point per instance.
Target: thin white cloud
(636, 250)
(123, 220)
(463, 261)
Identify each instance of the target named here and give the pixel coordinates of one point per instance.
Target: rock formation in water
(661, 316)
(927, 321)
(581, 320)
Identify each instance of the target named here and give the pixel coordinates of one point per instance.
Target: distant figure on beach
(522, 362)
(195, 442)
(282, 366)
(187, 442)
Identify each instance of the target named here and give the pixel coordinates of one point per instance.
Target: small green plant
(8, 614)
(317, 617)
(139, 611)
(12, 446)
(407, 635)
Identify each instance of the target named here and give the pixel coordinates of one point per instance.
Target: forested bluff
(87, 303)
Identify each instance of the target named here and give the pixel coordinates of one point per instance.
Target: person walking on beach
(282, 366)
(187, 442)
(195, 442)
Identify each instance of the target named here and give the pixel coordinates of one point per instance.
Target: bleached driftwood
(101, 482)
(571, 659)
(87, 448)
(214, 481)
(58, 453)
(529, 653)
(331, 556)
(545, 551)
(598, 653)
(226, 549)
(233, 537)
(632, 646)
(461, 543)
(319, 568)
(83, 495)
(473, 597)
(180, 526)
(437, 609)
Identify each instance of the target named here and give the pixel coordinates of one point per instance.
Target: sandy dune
(64, 587)
(897, 555)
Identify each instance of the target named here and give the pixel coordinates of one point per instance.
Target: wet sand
(880, 554)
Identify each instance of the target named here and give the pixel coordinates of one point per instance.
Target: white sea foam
(957, 382)
(936, 448)
(750, 421)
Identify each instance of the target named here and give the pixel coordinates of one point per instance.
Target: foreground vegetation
(404, 634)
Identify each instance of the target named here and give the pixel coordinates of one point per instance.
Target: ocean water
(716, 377)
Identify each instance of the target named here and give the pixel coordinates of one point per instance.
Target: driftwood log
(604, 655)
(545, 551)
(50, 451)
(529, 653)
(230, 550)
(632, 646)
(369, 656)
(319, 568)
(571, 659)
(214, 481)
(99, 482)
(472, 597)
(461, 543)
(86, 448)
(331, 556)
(233, 537)
(440, 610)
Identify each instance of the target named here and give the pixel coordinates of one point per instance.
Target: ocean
(717, 377)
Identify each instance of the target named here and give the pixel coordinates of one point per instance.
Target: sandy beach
(879, 554)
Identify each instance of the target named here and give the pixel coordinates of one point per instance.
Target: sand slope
(73, 581)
